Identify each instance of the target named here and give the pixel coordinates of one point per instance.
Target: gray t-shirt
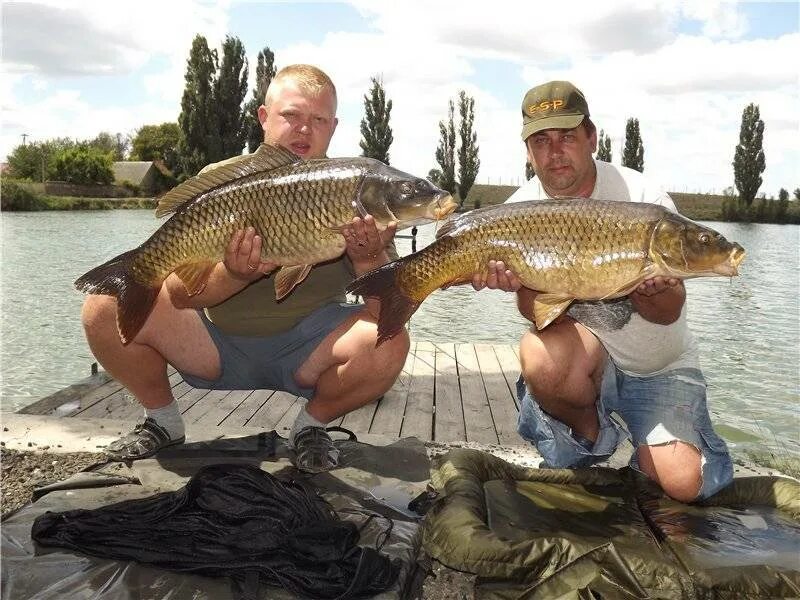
(637, 346)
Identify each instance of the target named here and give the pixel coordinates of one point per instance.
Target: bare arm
(659, 300)
(241, 267)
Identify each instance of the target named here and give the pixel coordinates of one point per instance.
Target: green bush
(133, 188)
(84, 165)
(14, 196)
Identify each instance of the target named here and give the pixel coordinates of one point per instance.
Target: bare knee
(98, 311)
(676, 467)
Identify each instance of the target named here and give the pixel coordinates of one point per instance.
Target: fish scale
(566, 249)
(297, 207)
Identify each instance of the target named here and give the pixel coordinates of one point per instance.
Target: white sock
(303, 420)
(169, 417)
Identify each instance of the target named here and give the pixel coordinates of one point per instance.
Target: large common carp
(298, 208)
(569, 249)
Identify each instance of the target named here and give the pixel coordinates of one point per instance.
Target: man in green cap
(634, 356)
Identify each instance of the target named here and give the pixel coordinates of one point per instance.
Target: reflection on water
(747, 327)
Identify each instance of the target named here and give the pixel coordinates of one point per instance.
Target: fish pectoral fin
(626, 288)
(548, 307)
(287, 278)
(194, 275)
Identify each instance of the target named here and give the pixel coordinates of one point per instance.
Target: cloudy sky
(686, 70)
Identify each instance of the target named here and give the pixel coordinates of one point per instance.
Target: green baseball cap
(553, 105)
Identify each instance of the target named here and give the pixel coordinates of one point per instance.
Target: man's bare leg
(563, 367)
(347, 372)
(141, 366)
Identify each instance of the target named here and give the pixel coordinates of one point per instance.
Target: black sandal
(144, 441)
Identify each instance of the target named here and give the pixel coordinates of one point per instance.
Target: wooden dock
(446, 393)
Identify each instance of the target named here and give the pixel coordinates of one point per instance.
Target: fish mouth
(444, 206)
(731, 266)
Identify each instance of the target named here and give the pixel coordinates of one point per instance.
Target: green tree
(782, 207)
(265, 72)
(36, 161)
(748, 160)
(376, 133)
(468, 161)
(84, 164)
(445, 152)
(604, 147)
(117, 145)
(157, 142)
(633, 153)
(230, 89)
(198, 119)
(796, 193)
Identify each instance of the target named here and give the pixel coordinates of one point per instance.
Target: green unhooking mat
(602, 533)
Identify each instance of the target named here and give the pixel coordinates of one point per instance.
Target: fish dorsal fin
(266, 158)
(548, 307)
(194, 275)
(288, 278)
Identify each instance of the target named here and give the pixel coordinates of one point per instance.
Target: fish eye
(704, 238)
(406, 188)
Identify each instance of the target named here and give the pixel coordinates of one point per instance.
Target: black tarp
(370, 497)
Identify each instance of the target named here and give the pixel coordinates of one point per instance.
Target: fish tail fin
(134, 300)
(396, 306)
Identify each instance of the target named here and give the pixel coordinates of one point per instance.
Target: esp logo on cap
(544, 106)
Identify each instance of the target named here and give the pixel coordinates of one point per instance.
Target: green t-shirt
(254, 311)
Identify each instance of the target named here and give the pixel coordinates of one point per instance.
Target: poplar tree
(748, 160)
(468, 161)
(197, 120)
(445, 152)
(633, 153)
(230, 89)
(604, 147)
(265, 73)
(376, 134)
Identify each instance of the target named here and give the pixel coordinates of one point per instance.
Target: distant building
(147, 175)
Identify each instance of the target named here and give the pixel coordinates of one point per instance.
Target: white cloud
(688, 91)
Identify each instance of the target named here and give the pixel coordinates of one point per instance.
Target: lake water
(748, 328)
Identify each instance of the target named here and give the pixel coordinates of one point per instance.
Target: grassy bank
(23, 196)
(700, 207)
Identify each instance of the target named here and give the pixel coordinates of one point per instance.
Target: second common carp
(299, 209)
(567, 249)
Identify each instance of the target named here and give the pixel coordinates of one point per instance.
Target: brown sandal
(144, 441)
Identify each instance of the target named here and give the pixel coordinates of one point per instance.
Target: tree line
(217, 122)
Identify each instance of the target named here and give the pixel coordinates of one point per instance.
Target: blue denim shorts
(658, 409)
(270, 363)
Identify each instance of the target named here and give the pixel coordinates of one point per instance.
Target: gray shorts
(271, 362)
(658, 409)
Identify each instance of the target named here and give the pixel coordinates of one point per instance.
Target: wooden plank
(119, 401)
(215, 407)
(477, 416)
(501, 401)
(126, 407)
(251, 405)
(360, 419)
(509, 363)
(99, 384)
(418, 420)
(272, 411)
(449, 415)
(388, 418)
(287, 420)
